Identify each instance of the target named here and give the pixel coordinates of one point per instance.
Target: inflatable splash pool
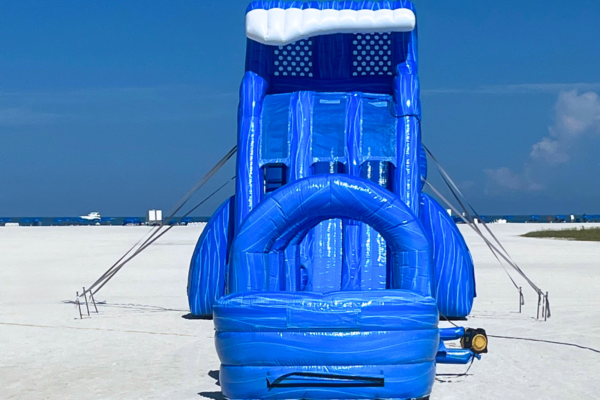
(328, 270)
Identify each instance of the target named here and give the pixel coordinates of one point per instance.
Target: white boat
(500, 221)
(91, 216)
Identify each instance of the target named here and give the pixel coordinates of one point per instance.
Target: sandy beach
(139, 346)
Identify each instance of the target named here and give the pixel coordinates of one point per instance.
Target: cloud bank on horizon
(576, 116)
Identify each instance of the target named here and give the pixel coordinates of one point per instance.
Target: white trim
(278, 27)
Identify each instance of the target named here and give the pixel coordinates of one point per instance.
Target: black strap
(328, 380)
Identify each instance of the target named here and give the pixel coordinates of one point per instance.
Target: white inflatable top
(279, 27)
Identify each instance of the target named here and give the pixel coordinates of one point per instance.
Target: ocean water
(77, 221)
(71, 221)
(538, 218)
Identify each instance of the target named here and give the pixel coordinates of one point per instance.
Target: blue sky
(122, 106)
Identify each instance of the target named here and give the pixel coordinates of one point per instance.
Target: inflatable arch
(303, 204)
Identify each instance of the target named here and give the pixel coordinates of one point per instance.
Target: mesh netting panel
(372, 54)
(295, 59)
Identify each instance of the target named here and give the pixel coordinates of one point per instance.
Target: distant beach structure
(154, 217)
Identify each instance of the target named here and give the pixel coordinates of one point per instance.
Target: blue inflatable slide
(328, 270)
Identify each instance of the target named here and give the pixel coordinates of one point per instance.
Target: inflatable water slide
(329, 269)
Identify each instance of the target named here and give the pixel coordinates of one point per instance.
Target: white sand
(139, 346)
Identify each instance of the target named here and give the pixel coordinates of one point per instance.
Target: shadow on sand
(192, 316)
(213, 395)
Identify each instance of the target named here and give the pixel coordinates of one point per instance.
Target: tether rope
(453, 187)
(506, 256)
(149, 242)
(470, 221)
(154, 233)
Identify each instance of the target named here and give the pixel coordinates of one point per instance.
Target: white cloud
(550, 151)
(522, 88)
(551, 88)
(502, 179)
(18, 116)
(576, 116)
(129, 104)
(466, 185)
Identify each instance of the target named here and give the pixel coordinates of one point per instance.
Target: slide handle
(316, 379)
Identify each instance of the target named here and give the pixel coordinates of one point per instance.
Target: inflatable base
(339, 345)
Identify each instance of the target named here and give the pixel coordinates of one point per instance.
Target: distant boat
(91, 216)
(500, 221)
